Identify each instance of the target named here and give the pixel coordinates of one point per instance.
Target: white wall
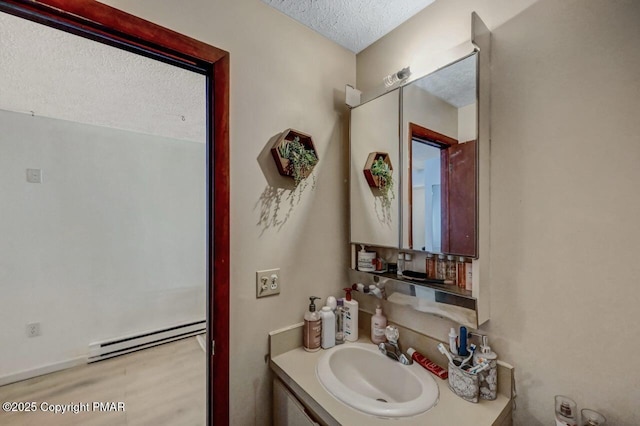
(564, 206)
(111, 243)
(282, 75)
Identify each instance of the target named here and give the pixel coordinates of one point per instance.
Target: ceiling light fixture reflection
(396, 77)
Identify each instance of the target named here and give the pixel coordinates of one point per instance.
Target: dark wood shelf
(282, 163)
(372, 180)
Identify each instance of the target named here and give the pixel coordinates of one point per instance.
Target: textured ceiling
(354, 24)
(59, 75)
(454, 84)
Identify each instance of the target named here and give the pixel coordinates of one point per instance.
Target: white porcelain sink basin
(365, 379)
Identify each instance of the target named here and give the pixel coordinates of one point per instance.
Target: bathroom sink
(363, 378)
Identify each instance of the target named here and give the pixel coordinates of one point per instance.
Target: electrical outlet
(34, 175)
(268, 282)
(33, 329)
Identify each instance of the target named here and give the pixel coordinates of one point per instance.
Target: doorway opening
(107, 25)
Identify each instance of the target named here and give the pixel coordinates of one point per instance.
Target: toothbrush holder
(489, 382)
(464, 384)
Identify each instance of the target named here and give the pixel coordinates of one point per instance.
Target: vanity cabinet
(287, 410)
(299, 398)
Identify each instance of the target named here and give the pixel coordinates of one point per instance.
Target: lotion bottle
(312, 331)
(328, 328)
(350, 317)
(453, 341)
(378, 325)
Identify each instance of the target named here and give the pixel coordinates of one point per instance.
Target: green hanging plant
(301, 159)
(384, 173)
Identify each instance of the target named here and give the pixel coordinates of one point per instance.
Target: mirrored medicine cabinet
(433, 132)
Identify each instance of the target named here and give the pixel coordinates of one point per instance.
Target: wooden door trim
(108, 25)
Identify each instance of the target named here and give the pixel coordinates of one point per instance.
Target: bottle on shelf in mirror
(400, 267)
(468, 281)
(451, 270)
(431, 266)
(462, 272)
(441, 267)
(408, 262)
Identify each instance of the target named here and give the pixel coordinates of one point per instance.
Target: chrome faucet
(391, 348)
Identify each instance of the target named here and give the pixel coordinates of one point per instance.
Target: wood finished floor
(165, 385)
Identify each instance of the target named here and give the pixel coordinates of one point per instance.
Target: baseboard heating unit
(116, 347)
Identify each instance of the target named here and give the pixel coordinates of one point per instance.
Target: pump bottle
(312, 331)
(488, 378)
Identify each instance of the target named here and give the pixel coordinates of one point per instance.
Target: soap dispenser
(350, 317)
(312, 331)
(488, 378)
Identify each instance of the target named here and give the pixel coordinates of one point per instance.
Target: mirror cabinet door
(439, 149)
(374, 152)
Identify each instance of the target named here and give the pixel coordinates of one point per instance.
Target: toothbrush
(445, 352)
(462, 347)
(479, 368)
(472, 349)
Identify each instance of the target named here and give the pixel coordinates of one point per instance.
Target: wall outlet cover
(33, 329)
(268, 282)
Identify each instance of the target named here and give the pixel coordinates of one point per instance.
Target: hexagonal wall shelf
(283, 163)
(372, 180)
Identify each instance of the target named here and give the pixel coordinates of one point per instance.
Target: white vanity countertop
(300, 366)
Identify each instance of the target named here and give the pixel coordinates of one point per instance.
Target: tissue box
(463, 384)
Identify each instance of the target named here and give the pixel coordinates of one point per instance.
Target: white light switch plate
(268, 282)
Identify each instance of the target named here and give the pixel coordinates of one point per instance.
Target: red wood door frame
(108, 25)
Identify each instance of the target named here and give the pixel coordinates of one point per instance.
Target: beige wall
(282, 75)
(467, 123)
(564, 210)
(440, 27)
(371, 221)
